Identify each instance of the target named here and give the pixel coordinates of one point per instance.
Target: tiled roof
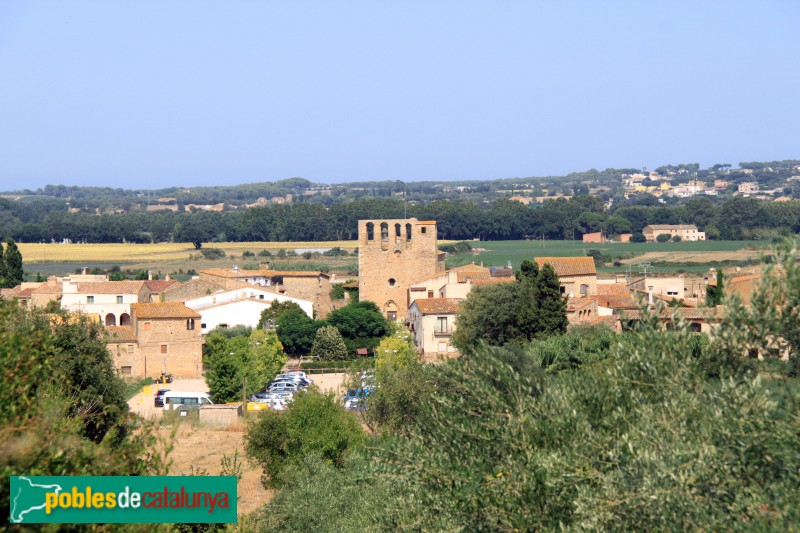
(670, 226)
(492, 281)
(607, 289)
(472, 267)
(163, 310)
(610, 321)
(48, 288)
(437, 306)
(10, 293)
(160, 285)
(25, 293)
(687, 313)
(617, 302)
(465, 276)
(351, 285)
(120, 334)
(432, 276)
(574, 304)
(569, 266)
(236, 274)
(111, 287)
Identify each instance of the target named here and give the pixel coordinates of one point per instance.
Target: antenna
(645, 267)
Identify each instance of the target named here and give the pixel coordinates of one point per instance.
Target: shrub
(663, 237)
(676, 238)
(328, 344)
(638, 237)
(313, 424)
(212, 254)
(264, 253)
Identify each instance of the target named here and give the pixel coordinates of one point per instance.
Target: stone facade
(163, 336)
(687, 232)
(393, 255)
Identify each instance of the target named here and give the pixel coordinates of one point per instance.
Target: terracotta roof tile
(235, 274)
(48, 288)
(492, 281)
(120, 334)
(160, 285)
(163, 310)
(657, 227)
(742, 279)
(472, 267)
(617, 302)
(569, 266)
(111, 287)
(687, 313)
(437, 306)
(573, 304)
(608, 289)
(465, 276)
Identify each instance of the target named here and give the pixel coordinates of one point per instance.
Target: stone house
(597, 237)
(576, 275)
(687, 232)
(393, 255)
(432, 323)
(163, 336)
(453, 283)
(306, 285)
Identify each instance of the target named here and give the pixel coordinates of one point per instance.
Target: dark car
(158, 401)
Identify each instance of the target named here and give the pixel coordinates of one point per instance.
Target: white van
(173, 399)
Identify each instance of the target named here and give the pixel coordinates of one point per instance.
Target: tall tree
(3, 270)
(12, 258)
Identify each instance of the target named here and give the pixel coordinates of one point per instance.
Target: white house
(239, 307)
(432, 322)
(110, 299)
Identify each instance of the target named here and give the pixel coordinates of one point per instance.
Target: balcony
(446, 331)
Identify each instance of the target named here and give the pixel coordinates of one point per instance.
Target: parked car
(266, 396)
(300, 382)
(194, 400)
(295, 376)
(283, 386)
(355, 399)
(158, 401)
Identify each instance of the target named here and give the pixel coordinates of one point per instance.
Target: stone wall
(392, 255)
(169, 339)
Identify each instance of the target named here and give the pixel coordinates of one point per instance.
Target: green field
(672, 256)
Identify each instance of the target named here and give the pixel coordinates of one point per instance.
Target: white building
(111, 300)
(239, 307)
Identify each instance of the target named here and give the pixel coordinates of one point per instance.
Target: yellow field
(154, 253)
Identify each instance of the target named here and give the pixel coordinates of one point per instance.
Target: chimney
(149, 275)
(650, 297)
(84, 271)
(236, 269)
(166, 278)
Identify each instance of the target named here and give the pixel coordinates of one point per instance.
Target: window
(397, 230)
(190, 323)
(392, 282)
(163, 348)
(370, 231)
(260, 296)
(126, 371)
(424, 229)
(384, 231)
(223, 326)
(430, 294)
(203, 325)
(562, 290)
(90, 299)
(391, 315)
(441, 324)
(408, 232)
(584, 290)
(119, 299)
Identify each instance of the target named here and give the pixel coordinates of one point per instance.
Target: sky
(153, 93)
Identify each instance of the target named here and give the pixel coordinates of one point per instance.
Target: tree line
(733, 219)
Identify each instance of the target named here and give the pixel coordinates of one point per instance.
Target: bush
(663, 237)
(456, 248)
(363, 363)
(264, 253)
(328, 344)
(248, 253)
(676, 238)
(313, 424)
(638, 237)
(212, 254)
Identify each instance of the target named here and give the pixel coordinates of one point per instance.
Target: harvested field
(705, 257)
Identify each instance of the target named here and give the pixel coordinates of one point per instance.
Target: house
(453, 283)
(307, 285)
(239, 307)
(576, 275)
(700, 320)
(110, 299)
(162, 336)
(748, 188)
(432, 322)
(687, 232)
(597, 237)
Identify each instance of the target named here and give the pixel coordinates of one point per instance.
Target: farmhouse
(687, 232)
(162, 336)
(432, 322)
(576, 275)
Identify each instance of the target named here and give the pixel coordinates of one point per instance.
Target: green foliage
(337, 291)
(313, 424)
(584, 345)
(359, 319)
(59, 415)
(11, 273)
(638, 237)
(676, 238)
(270, 314)
(212, 253)
(328, 344)
(296, 331)
(359, 364)
(241, 363)
(716, 293)
(499, 314)
(456, 248)
(663, 237)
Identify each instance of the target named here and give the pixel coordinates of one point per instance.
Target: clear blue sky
(149, 94)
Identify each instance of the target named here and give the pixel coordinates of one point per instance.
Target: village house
(453, 283)
(576, 275)
(687, 232)
(162, 336)
(306, 285)
(432, 323)
(748, 188)
(239, 307)
(109, 299)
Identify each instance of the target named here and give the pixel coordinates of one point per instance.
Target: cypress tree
(552, 319)
(3, 273)
(12, 258)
